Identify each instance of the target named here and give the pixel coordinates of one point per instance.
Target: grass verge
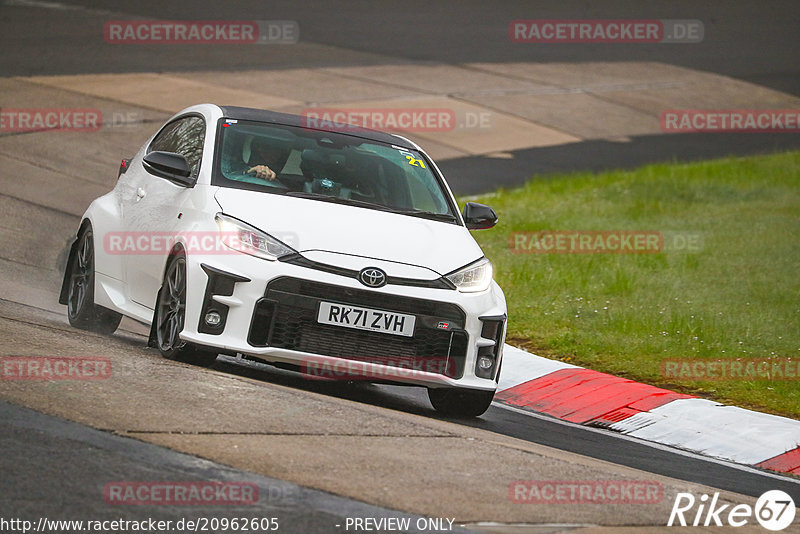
(724, 287)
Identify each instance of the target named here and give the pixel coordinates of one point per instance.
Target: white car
(338, 252)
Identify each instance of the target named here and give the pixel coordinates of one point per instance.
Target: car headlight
(474, 277)
(249, 240)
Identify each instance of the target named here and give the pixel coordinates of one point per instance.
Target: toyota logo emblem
(372, 277)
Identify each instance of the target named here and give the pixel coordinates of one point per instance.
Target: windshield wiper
(362, 203)
(425, 214)
(337, 200)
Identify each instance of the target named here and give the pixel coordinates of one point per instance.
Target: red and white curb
(683, 421)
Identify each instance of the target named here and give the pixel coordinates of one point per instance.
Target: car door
(153, 215)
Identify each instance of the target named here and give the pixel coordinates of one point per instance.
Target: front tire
(170, 315)
(82, 312)
(457, 402)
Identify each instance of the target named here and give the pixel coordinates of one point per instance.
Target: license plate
(399, 324)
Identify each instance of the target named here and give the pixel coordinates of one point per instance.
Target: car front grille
(287, 318)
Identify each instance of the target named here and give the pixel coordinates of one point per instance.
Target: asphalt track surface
(64, 463)
(751, 41)
(57, 469)
(44, 469)
(545, 430)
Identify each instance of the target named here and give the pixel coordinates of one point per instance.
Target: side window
(185, 137)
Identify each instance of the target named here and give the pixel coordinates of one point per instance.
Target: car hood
(349, 236)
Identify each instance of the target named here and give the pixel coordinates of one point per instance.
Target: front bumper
(269, 309)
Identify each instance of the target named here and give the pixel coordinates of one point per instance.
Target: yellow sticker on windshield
(415, 162)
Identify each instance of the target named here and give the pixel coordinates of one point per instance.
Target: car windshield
(330, 167)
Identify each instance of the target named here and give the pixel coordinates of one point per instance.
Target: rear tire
(457, 402)
(82, 312)
(170, 315)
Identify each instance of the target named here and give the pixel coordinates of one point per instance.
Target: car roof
(287, 119)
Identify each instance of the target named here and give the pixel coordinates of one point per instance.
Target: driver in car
(264, 160)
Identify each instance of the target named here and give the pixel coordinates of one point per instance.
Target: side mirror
(479, 216)
(169, 165)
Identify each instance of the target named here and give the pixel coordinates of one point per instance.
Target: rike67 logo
(774, 510)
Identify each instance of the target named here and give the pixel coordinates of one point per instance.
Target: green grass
(738, 296)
